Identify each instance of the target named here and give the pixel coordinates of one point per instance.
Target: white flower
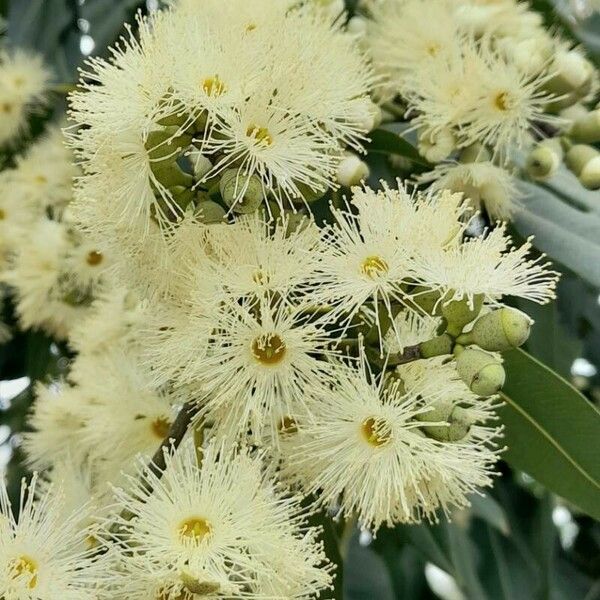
(23, 84)
(41, 552)
(365, 452)
(489, 265)
(249, 361)
(222, 528)
(482, 182)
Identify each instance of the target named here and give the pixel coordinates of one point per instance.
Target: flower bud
(544, 159)
(584, 161)
(586, 129)
(436, 147)
(428, 300)
(243, 194)
(166, 142)
(170, 174)
(209, 212)
(459, 313)
(482, 372)
(357, 26)
(572, 71)
(442, 344)
(458, 421)
(351, 170)
(499, 330)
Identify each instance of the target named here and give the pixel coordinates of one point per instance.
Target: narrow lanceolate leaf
(388, 142)
(552, 431)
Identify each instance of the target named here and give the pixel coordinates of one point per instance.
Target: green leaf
(551, 431)
(388, 142)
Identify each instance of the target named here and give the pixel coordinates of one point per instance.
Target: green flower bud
(442, 344)
(233, 184)
(458, 421)
(459, 313)
(166, 142)
(429, 301)
(209, 212)
(499, 330)
(544, 160)
(482, 372)
(170, 174)
(586, 129)
(584, 161)
(201, 165)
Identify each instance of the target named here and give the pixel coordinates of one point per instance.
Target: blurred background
(521, 542)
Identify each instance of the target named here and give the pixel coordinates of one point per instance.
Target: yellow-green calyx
(459, 313)
(482, 372)
(209, 212)
(584, 161)
(243, 194)
(457, 421)
(201, 588)
(544, 160)
(499, 330)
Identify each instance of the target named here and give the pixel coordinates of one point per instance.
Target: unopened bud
(586, 129)
(351, 170)
(243, 194)
(436, 147)
(442, 344)
(357, 26)
(572, 71)
(209, 212)
(584, 161)
(170, 174)
(458, 421)
(427, 300)
(459, 313)
(482, 372)
(544, 160)
(499, 330)
(166, 142)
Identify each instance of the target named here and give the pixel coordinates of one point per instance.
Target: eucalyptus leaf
(551, 431)
(389, 143)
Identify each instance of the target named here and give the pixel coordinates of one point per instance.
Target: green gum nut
(458, 421)
(482, 372)
(459, 313)
(586, 129)
(426, 300)
(167, 142)
(584, 161)
(241, 193)
(499, 330)
(209, 212)
(170, 174)
(543, 162)
(442, 344)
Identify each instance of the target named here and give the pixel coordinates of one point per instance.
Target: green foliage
(552, 431)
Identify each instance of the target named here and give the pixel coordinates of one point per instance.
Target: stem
(176, 433)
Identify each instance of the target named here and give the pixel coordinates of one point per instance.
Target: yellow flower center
(195, 528)
(2, 214)
(160, 427)
(24, 565)
(376, 431)
(502, 101)
(6, 107)
(433, 48)
(41, 179)
(373, 267)
(260, 277)
(251, 27)
(213, 86)
(288, 426)
(268, 349)
(94, 258)
(260, 134)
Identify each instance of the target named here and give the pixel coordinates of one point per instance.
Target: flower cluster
(264, 348)
(476, 79)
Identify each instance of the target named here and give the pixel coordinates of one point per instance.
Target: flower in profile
(42, 551)
(222, 528)
(371, 452)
